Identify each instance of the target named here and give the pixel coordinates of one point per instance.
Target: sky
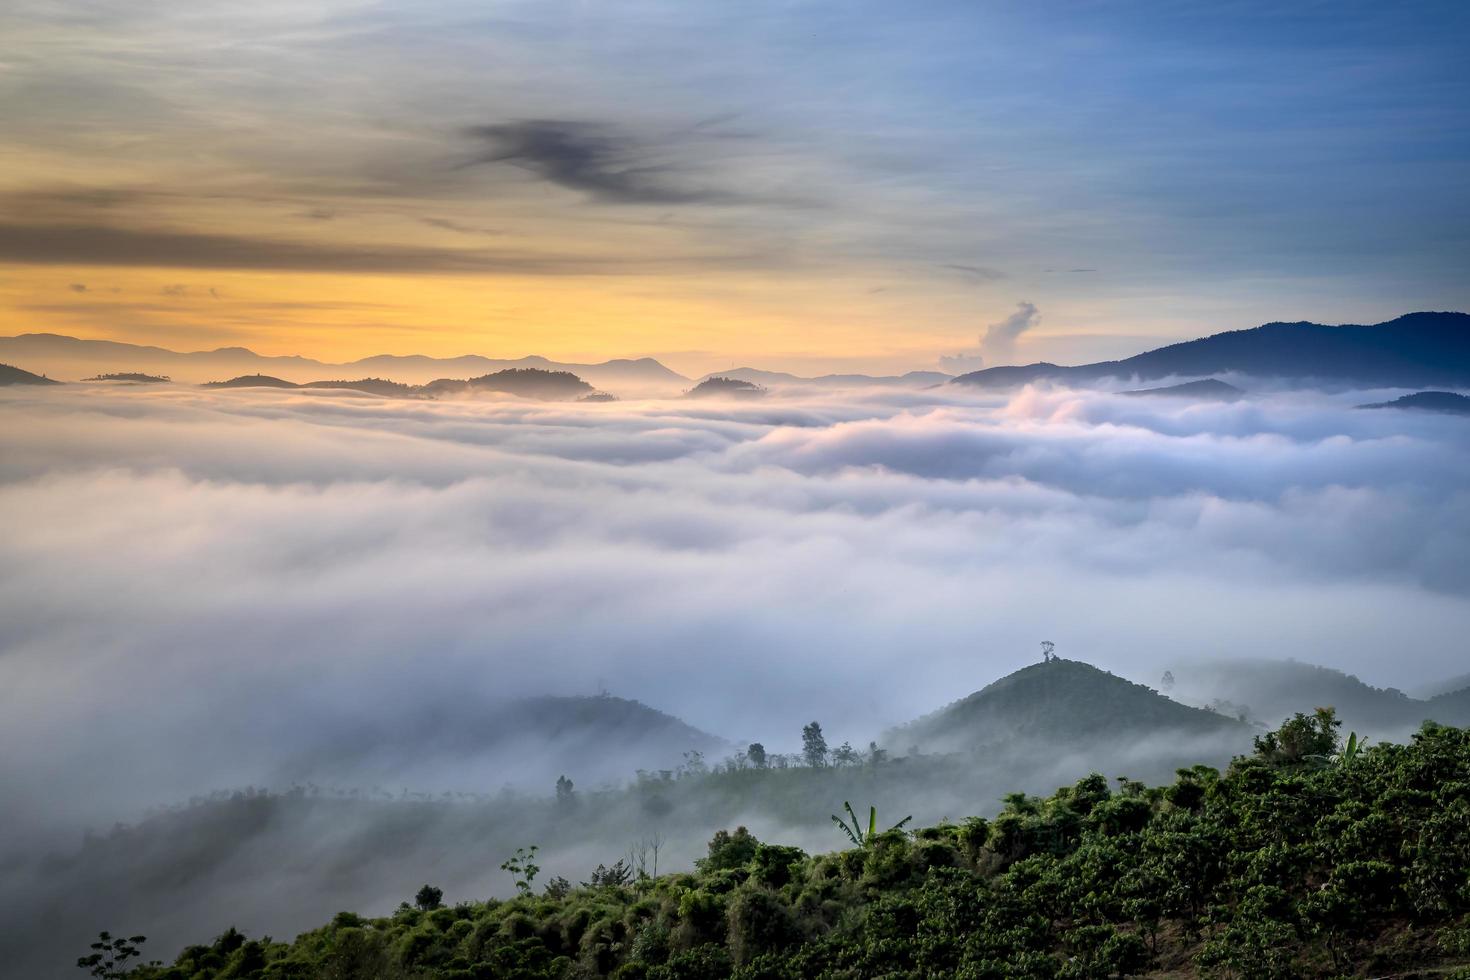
(795, 186)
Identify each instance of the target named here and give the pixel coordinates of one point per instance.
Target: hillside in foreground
(1306, 859)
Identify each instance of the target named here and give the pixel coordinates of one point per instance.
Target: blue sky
(805, 185)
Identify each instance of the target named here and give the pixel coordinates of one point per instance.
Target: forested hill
(1265, 689)
(1309, 858)
(1064, 701)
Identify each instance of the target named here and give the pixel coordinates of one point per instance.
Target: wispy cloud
(600, 160)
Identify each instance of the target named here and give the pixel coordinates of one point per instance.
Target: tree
(111, 956)
(845, 755)
(855, 832)
(813, 746)
(1301, 739)
(1167, 682)
(565, 791)
(756, 753)
(1047, 646)
(429, 898)
(522, 868)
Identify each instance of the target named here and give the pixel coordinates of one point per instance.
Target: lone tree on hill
(1047, 646)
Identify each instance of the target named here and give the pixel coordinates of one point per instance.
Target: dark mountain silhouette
(913, 379)
(74, 357)
(1267, 690)
(132, 378)
(370, 386)
(1429, 401)
(1210, 389)
(1062, 702)
(15, 376)
(1418, 349)
(723, 387)
(251, 381)
(525, 382)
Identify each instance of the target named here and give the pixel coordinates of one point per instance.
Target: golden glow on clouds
(708, 184)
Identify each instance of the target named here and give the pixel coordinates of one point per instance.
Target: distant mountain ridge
(915, 379)
(526, 382)
(1447, 402)
(67, 356)
(1411, 351)
(1270, 689)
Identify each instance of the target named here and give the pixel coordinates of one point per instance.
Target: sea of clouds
(201, 590)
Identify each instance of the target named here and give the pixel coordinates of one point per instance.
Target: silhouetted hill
(525, 382)
(15, 376)
(912, 379)
(723, 387)
(1064, 701)
(1271, 689)
(74, 357)
(131, 377)
(251, 381)
(1210, 389)
(1429, 401)
(1418, 349)
(370, 386)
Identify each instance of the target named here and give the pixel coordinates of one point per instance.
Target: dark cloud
(460, 227)
(598, 160)
(101, 244)
(977, 273)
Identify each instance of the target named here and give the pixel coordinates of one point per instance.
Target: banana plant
(855, 832)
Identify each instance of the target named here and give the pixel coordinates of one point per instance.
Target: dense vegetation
(1310, 857)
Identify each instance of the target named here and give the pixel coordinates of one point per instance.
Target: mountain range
(1414, 350)
(1417, 350)
(71, 357)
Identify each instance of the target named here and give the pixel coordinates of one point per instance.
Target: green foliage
(110, 955)
(522, 868)
(1275, 867)
(855, 832)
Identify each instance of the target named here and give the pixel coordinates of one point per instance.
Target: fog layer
(208, 590)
